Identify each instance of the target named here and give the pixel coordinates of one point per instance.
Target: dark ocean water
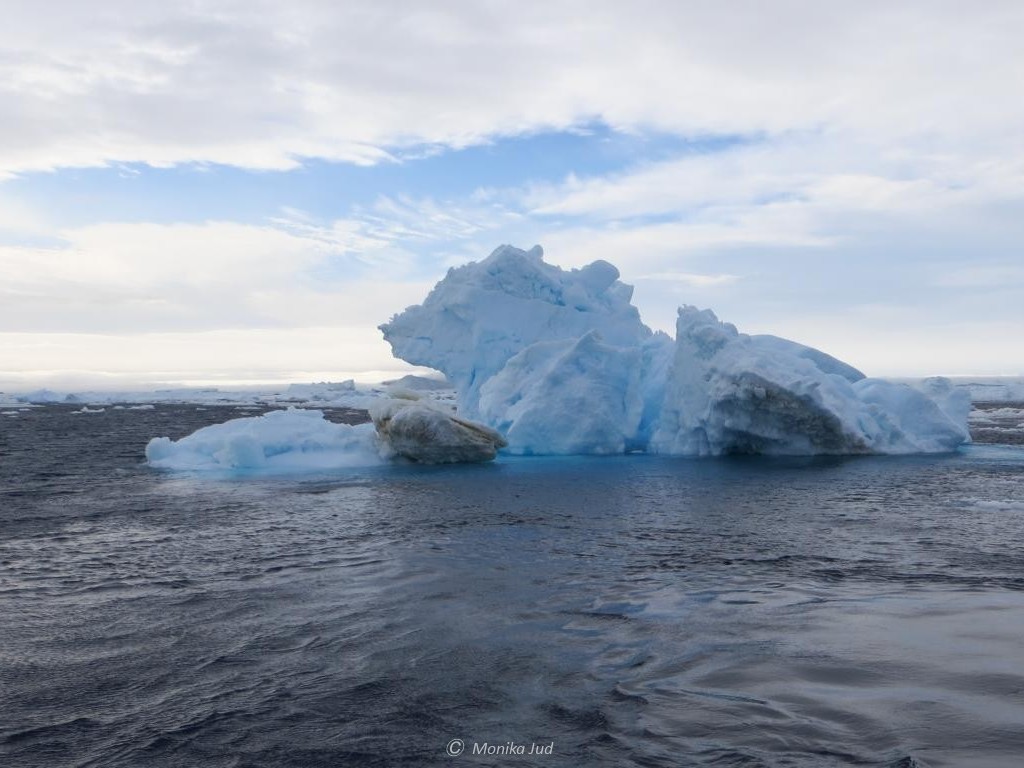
(632, 611)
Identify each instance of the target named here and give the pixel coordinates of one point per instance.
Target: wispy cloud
(264, 85)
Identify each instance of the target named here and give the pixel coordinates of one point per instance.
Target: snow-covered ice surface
(560, 362)
(998, 422)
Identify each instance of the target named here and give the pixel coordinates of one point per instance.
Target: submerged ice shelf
(550, 361)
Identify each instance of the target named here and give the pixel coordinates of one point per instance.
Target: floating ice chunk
(41, 396)
(427, 433)
(482, 314)
(291, 440)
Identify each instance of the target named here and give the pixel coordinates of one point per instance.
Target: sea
(619, 611)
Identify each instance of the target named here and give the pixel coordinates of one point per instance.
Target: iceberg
(553, 361)
(559, 362)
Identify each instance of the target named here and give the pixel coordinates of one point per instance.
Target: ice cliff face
(560, 362)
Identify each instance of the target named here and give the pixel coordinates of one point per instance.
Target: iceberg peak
(484, 313)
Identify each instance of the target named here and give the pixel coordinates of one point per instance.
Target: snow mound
(289, 441)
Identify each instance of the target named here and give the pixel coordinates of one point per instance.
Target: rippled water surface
(629, 611)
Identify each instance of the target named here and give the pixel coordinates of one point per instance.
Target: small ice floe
(278, 441)
(87, 409)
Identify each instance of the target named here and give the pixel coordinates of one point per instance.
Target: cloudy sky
(241, 191)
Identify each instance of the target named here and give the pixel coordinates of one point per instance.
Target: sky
(240, 192)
